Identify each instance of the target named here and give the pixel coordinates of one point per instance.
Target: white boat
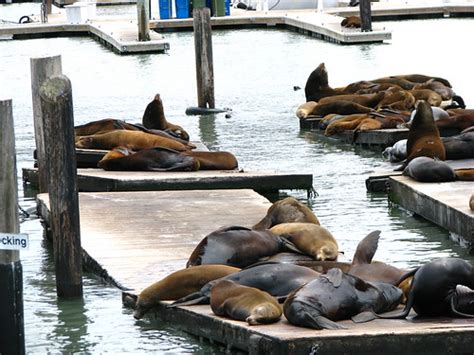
(267, 5)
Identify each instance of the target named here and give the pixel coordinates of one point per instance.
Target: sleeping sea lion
(420, 78)
(279, 280)
(346, 123)
(229, 299)
(367, 100)
(305, 109)
(460, 146)
(213, 160)
(433, 291)
(337, 296)
(310, 238)
(460, 120)
(397, 152)
(287, 210)
(430, 96)
(179, 284)
(340, 107)
(103, 126)
(426, 169)
(317, 85)
(153, 159)
(237, 246)
(401, 100)
(444, 91)
(154, 117)
(134, 140)
(401, 82)
(351, 22)
(471, 202)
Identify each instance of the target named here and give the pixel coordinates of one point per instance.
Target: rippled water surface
(255, 71)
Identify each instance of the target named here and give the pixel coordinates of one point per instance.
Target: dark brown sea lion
(433, 291)
(460, 120)
(337, 296)
(317, 85)
(153, 159)
(378, 87)
(154, 117)
(403, 83)
(286, 210)
(237, 246)
(426, 169)
(311, 239)
(341, 108)
(133, 140)
(213, 160)
(400, 100)
(444, 91)
(351, 22)
(420, 78)
(367, 100)
(279, 280)
(431, 97)
(103, 126)
(179, 284)
(471, 202)
(460, 146)
(423, 137)
(229, 299)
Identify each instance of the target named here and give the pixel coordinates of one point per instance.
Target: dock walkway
(134, 239)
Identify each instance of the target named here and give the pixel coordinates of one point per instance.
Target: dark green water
(255, 71)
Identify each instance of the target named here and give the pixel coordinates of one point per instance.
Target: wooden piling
(12, 335)
(204, 62)
(143, 20)
(365, 16)
(41, 69)
(58, 123)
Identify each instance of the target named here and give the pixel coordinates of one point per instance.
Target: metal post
(204, 63)
(57, 112)
(365, 16)
(12, 334)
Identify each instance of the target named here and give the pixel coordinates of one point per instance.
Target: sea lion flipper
(363, 317)
(459, 313)
(320, 322)
(289, 246)
(192, 299)
(334, 276)
(366, 249)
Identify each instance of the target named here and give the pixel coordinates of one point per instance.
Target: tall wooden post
(58, 123)
(203, 50)
(41, 69)
(143, 23)
(12, 334)
(365, 16)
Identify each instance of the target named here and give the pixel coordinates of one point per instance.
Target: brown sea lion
(403, 83)
(460, 120)
(317, 85)
(237, 246)
(286, 210)
(337, 296)
(179, 284)
(229, 299)
(154, 118)
(444, 91)
(460, 146)
(103, 126)
(152, 159)
(341, 108)
(351, 22)
(305, 109)
(400, 100)
(433, 98)
(367, 100)
(471, 202)
(134, 140)
(213, 160)
(348, 122)
(310, 238)
(378, 87)
(420, 78)
(423, 137)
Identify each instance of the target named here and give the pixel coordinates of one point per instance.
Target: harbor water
(256, 71)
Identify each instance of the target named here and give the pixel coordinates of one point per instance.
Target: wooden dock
(144, 236)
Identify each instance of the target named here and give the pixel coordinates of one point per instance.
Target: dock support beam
(57, 112)
(143, 20)
(204, 61)
(365, 16)
(41, 69)
(12, 333)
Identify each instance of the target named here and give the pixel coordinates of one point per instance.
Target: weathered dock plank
(139, 237)
(101, 180)
(445, 204)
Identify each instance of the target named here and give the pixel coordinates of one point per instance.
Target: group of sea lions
(154, 145)
(386, 102)
(242, 274)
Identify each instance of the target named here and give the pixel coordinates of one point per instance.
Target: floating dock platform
(145, 236)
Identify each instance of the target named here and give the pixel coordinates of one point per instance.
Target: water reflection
(207, 130)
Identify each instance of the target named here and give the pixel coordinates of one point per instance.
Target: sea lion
(154, 117)
(311, 239)
(337, 296)
(433, 291)
(460, 120)
(305, 109)
(367, 100)
(279, 280)
(403, 83)
(444, 91)
(420, 78)
(340, 107)
(430, 96)
(397, 152)
(229, 299)
(423, 137)
(471, 202)
(351, 22)
(153, 159)
(286, 210)
(401, 100)
(438, 113)
(460, 146)
(237, 246)
(179, 284)
(103, 126)
(134, 140)
(426, 169)
(346, 123)
(321, 266)
(213, 160)
(378, 87)
(317, 85)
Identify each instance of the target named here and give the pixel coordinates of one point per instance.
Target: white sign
(11, 241)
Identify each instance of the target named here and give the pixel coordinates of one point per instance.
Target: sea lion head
(264, 313)
(326, 252)
(85, 142)
(392, 295)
